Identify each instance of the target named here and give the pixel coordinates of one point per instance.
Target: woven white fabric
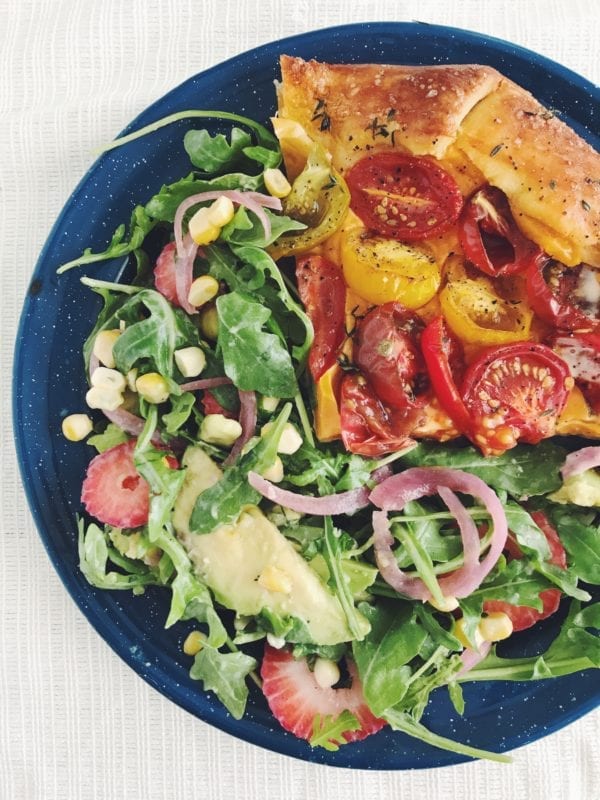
(75, 722)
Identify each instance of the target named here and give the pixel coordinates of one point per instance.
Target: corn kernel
(221, 212)
(203, 290)
(326, 672)
(76, 427)
(201, 229)
(495, 626)
(277, 642)
(290, 440)
(153, 387)
(190, 361)
(103, 347)
(450, 603)
(458, 630)
(276, 183)
(108, 378)
(209, 323)
(104, 397)
(274, 579)
(274, 473)
(194, 643)
(217, 429)
(269, 404)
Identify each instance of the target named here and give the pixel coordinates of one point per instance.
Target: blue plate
(49, 383)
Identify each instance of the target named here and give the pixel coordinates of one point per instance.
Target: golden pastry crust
(482, 127)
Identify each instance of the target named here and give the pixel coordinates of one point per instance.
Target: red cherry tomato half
(444, 359)
(369, 428)
(386, 351)
(515, 392)
(323, 292)
(403, 197)
(581, 353)
(523, 616)
(565, 297)
(489, 235)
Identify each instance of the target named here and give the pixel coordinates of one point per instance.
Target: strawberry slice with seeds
(211, 405)
(113, 491)
(164, 273)
(295, 698)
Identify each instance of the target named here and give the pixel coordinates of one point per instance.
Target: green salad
(347, 587)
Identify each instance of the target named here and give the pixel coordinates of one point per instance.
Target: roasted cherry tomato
(581, 353)
(386, 350)
(489, 235)
(403, 197)
(444, 359)
(513, 393)
(323, 292)
(523, 616)
(369, 428)
(568, 298)
(477, 314)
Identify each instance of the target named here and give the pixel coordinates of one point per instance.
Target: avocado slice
(251, 567)
(582, 490)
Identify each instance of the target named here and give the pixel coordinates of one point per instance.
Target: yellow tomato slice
(477, 315)
(381, 270)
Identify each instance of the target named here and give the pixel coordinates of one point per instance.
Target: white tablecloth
(75, 721)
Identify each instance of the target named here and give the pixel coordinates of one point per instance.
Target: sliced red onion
(580, 461)
(204, 383)
(184, 272)
(330, 505)
(412, 484)
(247, 420)
(471, 658)
(253, 201)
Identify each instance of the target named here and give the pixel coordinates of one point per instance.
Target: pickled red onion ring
(247, 420)
(412, 484)
(471, 658)
(580, 461)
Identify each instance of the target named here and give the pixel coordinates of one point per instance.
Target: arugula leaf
(525, 470)
(201, 608)
(409, 535)
(573, 650)
(110, 437)
(215, 153)
(581, 540)
(383, 655)
(224, 674)
(222, 503)
(94, 554)
(247, 230)
(404, 722)
(329, 471)
(181, 409)
(332, 553)
(125, 240)
(265, 156)
(328, 731)
(253, 359)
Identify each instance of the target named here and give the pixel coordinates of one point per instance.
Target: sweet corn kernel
(209, 323)
(201, 229)
(153, 387)
(495, 626)
(194, 643)
(76, 427)
(103, 347)
(108, 378)
(221, 212)
(190, 361)
(274, 473)
(277, 642)
(326, 672)
(274, 579)
(203, 290)
(290, 440)
(104, 397)
(449, 604)
(458, 630)
(276, 183)
(269, 404)
(217, 429)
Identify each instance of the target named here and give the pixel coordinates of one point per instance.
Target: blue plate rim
(285, 745)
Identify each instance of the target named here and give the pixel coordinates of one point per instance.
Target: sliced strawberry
(164, 273)
(113, 491)
(212, 406)
(295, 698)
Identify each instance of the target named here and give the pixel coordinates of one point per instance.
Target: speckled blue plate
(49, 383)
